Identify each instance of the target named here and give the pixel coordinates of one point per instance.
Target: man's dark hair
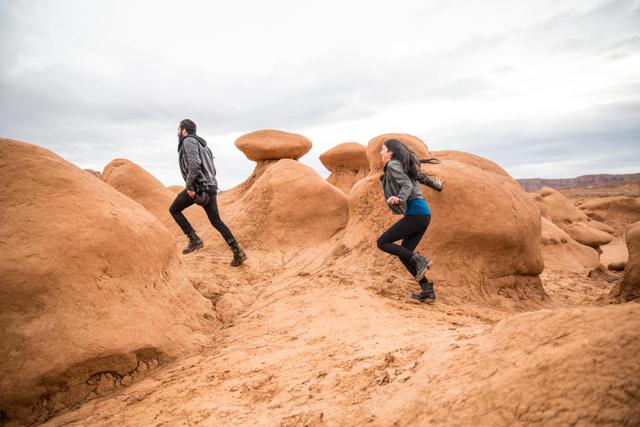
(189, 126)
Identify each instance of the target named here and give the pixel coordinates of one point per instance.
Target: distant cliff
(585, 181)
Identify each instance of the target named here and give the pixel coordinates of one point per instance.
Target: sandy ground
(299, 348)
(313, 331)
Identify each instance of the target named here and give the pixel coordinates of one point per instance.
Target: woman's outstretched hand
(439, 181)
(393, 200)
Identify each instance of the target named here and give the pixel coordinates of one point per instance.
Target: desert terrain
(105, 322)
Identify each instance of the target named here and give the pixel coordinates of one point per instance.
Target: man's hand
(393, 200)
(191, 194)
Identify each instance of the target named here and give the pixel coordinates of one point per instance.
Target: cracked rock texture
(90, 283)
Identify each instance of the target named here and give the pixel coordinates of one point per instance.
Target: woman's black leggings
(410, 230)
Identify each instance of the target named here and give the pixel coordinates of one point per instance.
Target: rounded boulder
(270, 144)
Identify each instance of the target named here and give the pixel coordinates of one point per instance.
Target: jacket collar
(194, 136)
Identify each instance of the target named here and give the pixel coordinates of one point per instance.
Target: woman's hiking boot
(195, 243)
(422, 264)
(238, 255)
(427, 294)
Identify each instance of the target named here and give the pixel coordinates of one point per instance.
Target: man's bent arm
(193, 162)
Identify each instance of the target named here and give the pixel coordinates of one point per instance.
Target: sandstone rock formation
(269, 144)
(484, 236)
(602, 227)
(562, 253)
(547, 367)
(583, 233)
(617, 266)
(545, 210)
(618, 212)
(348, 164)
(317, 324)
(284, 206)
(139, 185)
(629, 288)
(91, 290)
(565, 215)
(615, 255)
(288, 206)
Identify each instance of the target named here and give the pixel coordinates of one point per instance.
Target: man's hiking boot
(427, 294)
(422, 264)
(238, 255)
(195, 243)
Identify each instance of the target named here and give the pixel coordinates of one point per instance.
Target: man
(199, 173)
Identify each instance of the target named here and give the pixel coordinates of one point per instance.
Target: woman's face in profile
(385, 154)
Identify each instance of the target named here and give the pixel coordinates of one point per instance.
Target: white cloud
(98, 80)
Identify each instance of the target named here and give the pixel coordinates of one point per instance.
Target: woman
(404, 197)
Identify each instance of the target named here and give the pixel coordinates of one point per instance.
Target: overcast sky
(545, 88)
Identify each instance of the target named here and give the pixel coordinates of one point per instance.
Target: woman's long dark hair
(407, 157)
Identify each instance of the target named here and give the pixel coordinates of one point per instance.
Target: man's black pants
(183, 201)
